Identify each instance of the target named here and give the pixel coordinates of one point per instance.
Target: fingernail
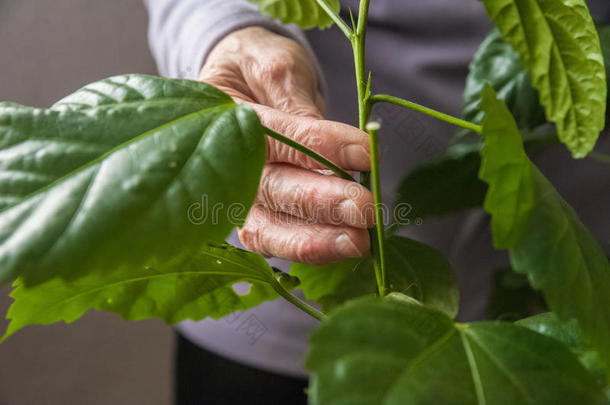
(345, 246)
(354, 156)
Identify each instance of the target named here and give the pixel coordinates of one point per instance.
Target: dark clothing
(204, 378)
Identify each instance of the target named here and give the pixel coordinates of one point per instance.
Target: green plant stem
(373, 131)
(382, 98)
(305, 150)
(359, 47)
(364, 107)
(364, 113)
(302, 305)
(337, 19)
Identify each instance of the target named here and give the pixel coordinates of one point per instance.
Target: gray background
(49, 48)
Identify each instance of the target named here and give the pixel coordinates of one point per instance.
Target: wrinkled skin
(300, 214)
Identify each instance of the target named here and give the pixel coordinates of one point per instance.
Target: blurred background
(49, 49)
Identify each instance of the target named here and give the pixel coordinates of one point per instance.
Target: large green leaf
(604, 38)
(445, 186)
(122, 172)
(393, 353)
(507, 170)
(413, 268)
(498, 65)
(546, 239)
(306, 14)
(570, 334)
(194, 288)
(457, 186)
(558, 42)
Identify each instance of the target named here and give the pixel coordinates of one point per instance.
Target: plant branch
(363, 18)
(382, 98)
(373, 131)
(359, 45)
(337, 19)
(364, 106)
(305, 150)
(364, 112)
(302, 305)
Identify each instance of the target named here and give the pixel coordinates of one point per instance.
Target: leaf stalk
(310, 153)
(302, 305)
(383, 98)
(336, 19)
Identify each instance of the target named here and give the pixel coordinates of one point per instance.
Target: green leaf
(334, 283)
(121, 172)
(306, 14)
(193, 288)
(389, 352)
(557, 41)
(570, 334)
(456, 186)
(508, 171)
(414, 269)
(546, 239)
(604, 39)
(548, 323)
(498, 65)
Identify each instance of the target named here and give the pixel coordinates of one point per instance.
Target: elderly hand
(299, 214)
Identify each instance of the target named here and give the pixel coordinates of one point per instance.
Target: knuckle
(250, 237)
(298, 132)
(285, 124)
(247, 237)
(279, 65)
(273, 150)
(296, 105)
(304, 202)
(271, 183)
(361, 196)
(306, 110)
(283, 102)
(308, 134)
(280, 192)
(306, 251)
(267, 116)
(312, 134)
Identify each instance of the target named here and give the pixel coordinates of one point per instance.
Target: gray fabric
(417, 50)
(181, 33)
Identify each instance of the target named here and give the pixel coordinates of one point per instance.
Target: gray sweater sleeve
(181, 33)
